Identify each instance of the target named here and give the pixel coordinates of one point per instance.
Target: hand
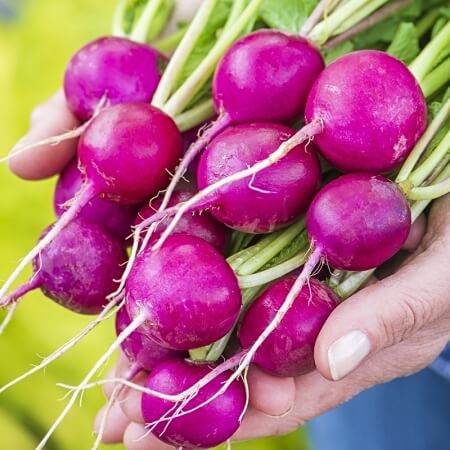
(394, 327)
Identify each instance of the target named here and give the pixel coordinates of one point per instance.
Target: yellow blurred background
(34, 49)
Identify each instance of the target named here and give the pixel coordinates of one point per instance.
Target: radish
(264, 76)
(289, 350)
(116, 218)
(78, 269)
(202, 225)
(370, 67)
(183, 296)
(125, 154)
(259, 204)
(142, 352)
(116, 69)
(373, 112)
(206, 426)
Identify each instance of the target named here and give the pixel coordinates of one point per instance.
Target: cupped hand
(392, 328)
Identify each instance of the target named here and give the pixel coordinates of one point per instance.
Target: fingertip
(273, 396)
(138, 437)
(116, 425)
(130, 400)
(416, 234)
(49, 119)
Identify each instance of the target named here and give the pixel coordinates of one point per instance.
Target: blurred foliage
(33, 54)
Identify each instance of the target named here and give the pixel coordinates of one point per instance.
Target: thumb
(382, 315)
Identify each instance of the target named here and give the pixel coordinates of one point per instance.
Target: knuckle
(409, 316)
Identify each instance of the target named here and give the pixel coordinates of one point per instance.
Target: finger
(270, 395)
(383, 314)
(416, 234)
(52, 118)
(119, 371)
(137, 437)
(115, 426)
(130, 400)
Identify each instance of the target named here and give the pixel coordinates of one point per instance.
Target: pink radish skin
(113, 68)
(289, 350)
(186, 291)
(373, 112)
(77, 270)
(202, 225)
(276, 195)
(127, 151)
(207, 427)
(116, 218)
(359, 221)
(266, 76)
(139, 349)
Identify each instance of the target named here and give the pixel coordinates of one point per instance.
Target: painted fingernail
(347, 353)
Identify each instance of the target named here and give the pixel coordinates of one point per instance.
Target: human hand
(402, 324)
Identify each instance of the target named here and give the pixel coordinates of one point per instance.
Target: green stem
(255, 263)
(236, 260)
(276, 272)
(437, 78)
(424, 24)
(422, 144)
(353, 283)
(362, 13)
(427, 59)
(182, 53)
(117, 23)
(343, 18)
(336, 278)
(430, 192)
(140, 31)
(181, 98)
(196, 115)
(169, 43)
(419, 175)
(419, 207)
(236, 11)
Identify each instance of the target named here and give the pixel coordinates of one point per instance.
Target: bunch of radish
(294, 172)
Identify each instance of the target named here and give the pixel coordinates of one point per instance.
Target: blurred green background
(35, 45)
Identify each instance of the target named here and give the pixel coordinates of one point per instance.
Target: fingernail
(347, 353)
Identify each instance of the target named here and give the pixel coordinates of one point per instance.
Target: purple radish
(289, 350)
(256, 204)
(78, 269)
(186, 294)
(358, 221)
(370, 67)
(111, 68)
(208, 425)
(202, 225)
(125, 155)
(142, 352)
(272, 199)
(264, 76)
(373, 112)
(116, 218)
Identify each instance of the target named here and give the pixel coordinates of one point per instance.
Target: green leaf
(341, 49)
(287, 15)
(405, 45)
(206, 41)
